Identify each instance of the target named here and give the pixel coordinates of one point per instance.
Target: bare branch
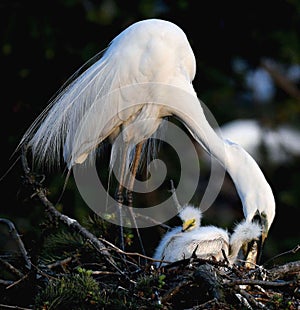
(13, 307)
(282, 82)
(172, 292)
(13, 232)
(292, 251)
(257, 282)
(6, 282)
(284, 270)
(11, 268)
(252, 300)
(72, 223)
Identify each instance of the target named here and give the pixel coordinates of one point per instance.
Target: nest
(74, 269)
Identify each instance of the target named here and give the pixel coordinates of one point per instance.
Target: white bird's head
(191, 217)
(261, 208)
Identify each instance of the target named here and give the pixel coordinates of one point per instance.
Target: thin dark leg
(120, 197)
(135, 165)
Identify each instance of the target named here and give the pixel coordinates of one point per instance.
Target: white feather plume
(89, 109)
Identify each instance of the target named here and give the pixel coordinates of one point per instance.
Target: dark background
(45, 42)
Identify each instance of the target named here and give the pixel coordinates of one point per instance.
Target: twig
(60, 262)
(262, 290)
(11, 268)
(99, 272)
(17, 282)
(252, 266)
(257, 282)
(252, 300)
(194, 255)
(283, 270)
(147, 218)
(13, 232)
(172, 292)
(201, 261)
(244, 301)
(206, 304)
(259, 270)
(44, 274)
(292, 251)
(6, 282)
(118, 250)
(72, 223)
(285, 84)
(2, 306)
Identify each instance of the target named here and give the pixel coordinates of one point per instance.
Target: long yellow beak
(255, 247)
(265, 227)
(264, 234)
(263, 237)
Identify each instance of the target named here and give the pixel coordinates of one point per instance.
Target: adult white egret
(204, 241)
(145, 75)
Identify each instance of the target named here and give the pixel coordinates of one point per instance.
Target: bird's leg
(120, 201)
(135, 165)
(120, 197)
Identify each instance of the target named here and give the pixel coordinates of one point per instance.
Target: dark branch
(284, 270)
(72, 223)
(13, 232)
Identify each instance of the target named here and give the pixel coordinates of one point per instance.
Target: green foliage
(146, 284)
(98, 226)
(102, 228)
(76, 291)
(60, 245)
(279, 301)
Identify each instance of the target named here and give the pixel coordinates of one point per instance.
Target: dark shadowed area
(248, 69)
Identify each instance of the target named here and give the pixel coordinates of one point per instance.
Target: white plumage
(243, 233)
(89, 110)
(182, 241)
(207, 242)
(145, 74)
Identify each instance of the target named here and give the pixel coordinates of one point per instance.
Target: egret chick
(243, 234)
(181, 242)
(206, 241)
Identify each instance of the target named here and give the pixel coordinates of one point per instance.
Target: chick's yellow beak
(187, 225)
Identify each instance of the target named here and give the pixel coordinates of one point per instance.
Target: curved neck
(252, 187)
